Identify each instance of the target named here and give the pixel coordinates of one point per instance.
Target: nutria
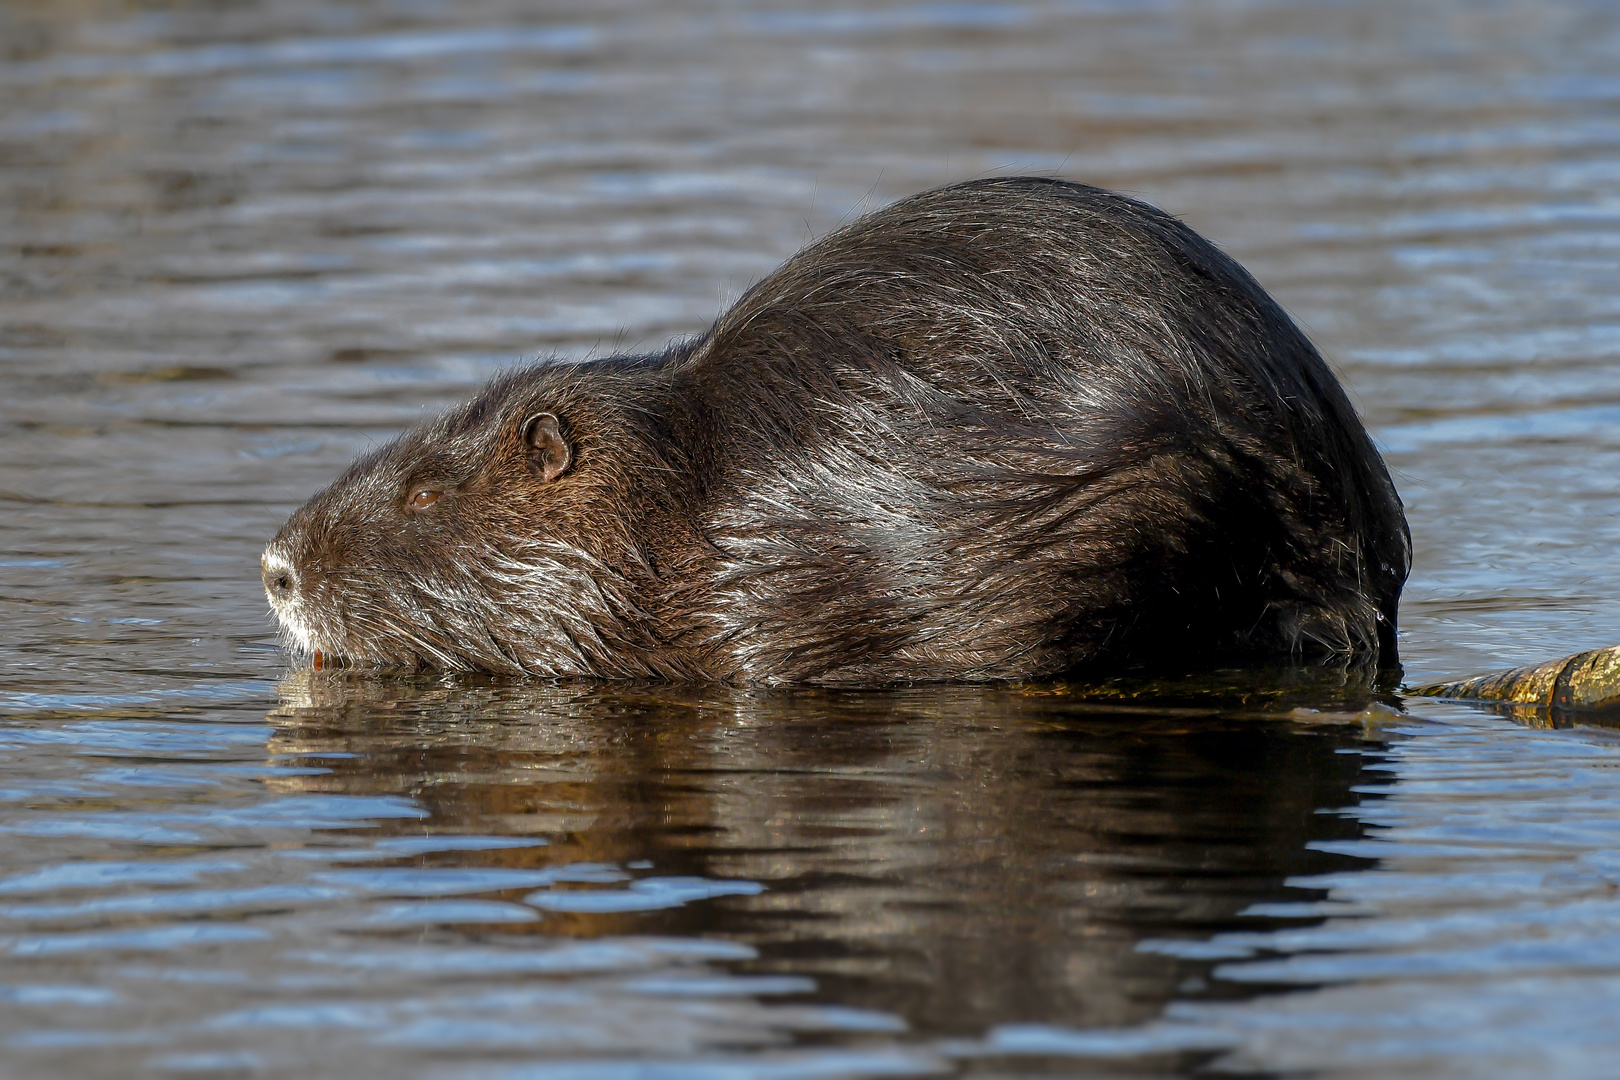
(993, 431)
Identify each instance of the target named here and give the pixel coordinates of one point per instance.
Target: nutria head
(492, 538)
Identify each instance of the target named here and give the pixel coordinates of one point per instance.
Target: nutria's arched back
(992, 431)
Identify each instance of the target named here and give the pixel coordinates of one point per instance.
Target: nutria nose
(280, 580)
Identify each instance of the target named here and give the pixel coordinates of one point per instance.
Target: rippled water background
(240, 243)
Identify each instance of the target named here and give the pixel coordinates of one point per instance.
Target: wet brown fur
(992, 431)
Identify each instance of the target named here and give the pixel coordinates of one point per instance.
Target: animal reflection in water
(960, 855)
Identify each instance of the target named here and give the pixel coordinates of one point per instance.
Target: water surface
(239, 246)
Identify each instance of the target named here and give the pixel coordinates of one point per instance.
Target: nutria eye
(423, 498)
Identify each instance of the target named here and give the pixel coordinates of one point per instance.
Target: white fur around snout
(296, 632)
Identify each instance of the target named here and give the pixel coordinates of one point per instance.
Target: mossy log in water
(1585, 682)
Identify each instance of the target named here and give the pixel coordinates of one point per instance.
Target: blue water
(239, 246)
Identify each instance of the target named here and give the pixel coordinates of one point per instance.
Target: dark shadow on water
(961, 856)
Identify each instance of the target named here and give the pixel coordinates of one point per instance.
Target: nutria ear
(548, 450)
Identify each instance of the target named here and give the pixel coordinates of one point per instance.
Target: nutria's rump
(992, 431)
